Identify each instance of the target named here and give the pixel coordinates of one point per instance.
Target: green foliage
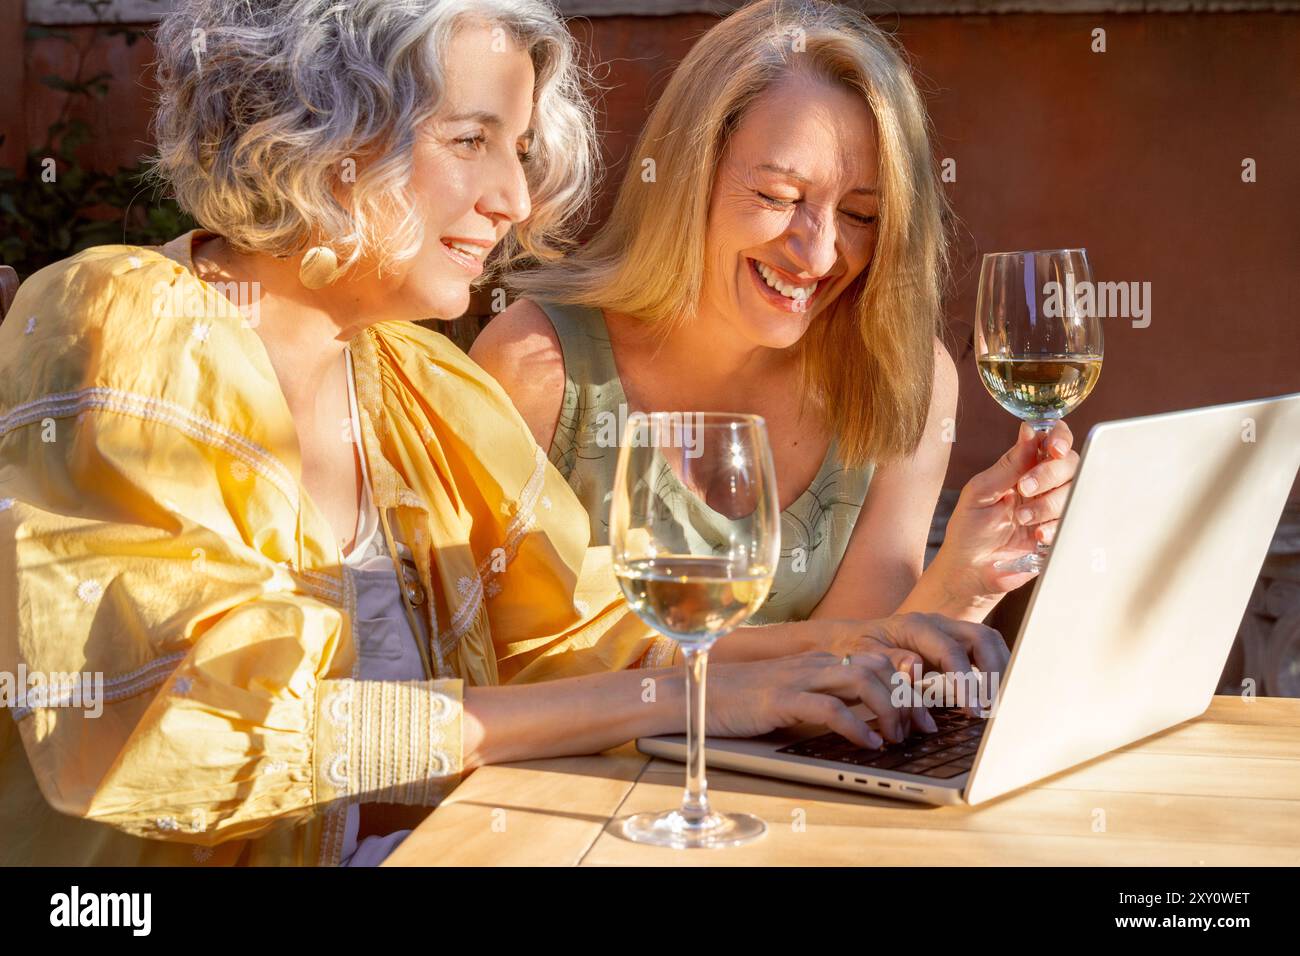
(43, 220)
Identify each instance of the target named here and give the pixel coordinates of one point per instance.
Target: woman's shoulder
(520, 342)
(94, 287)
(521, 349)
(106, 312)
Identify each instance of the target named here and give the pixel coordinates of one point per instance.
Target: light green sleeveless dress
(815, 528)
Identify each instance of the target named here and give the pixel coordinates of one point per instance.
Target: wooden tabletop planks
(1220, 790)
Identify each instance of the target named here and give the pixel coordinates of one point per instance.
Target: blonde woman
(278, 566)
(777, 247)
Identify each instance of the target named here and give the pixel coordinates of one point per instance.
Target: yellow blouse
(155, 535)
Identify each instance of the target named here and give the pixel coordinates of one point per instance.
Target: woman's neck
(305, 332)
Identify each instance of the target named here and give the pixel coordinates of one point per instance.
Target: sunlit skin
(795, 191)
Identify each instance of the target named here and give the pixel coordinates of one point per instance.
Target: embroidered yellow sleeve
(388, 741)
(217, 715)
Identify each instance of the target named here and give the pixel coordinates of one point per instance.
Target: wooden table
(1223, 789)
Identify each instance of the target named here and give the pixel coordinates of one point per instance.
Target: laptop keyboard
(945, 754)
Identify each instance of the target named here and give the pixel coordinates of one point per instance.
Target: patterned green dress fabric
(815, 529)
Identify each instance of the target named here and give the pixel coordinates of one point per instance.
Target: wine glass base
(1026, 563)
(671, 829)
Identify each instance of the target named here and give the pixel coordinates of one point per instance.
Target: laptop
(1127, 632)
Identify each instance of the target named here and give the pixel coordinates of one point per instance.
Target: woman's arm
(883, 563)
(572, 715)
(1002, 512)
(588, 714)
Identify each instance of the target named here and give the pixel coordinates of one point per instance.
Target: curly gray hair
(262, 102)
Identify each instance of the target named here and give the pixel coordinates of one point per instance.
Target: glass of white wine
(679, 473)
(1038, 342)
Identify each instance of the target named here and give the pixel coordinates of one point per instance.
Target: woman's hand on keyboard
(757, 697)
(931, 640)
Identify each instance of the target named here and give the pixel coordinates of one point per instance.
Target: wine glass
(695, 534)
(1038, 342)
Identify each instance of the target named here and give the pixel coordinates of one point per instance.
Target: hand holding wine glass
(1038, 347)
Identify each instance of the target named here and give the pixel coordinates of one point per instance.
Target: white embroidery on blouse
(546, 502)
(150, 409)
(122, 686)
(166, 823)
(338, 771)
(440, 706)
(339, 707)
(274, 766)
(6, 503)
(182, 686)
(201, 331)
(202, 854)
(660, 653)
(90, 591)
(134, 262)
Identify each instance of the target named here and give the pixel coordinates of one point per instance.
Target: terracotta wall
(1135, 153)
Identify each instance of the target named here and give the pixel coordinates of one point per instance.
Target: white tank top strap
(368, 540)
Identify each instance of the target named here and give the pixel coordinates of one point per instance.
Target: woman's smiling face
(467, 174)
(793, 214)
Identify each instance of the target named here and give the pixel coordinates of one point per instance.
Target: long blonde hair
(869, 364)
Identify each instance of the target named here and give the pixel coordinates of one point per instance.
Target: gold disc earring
(320, 267)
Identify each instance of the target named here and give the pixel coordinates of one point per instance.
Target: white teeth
(476, 251)
(799, 293)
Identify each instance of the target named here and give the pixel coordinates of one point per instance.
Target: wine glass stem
(1041, 430)
(695, 800)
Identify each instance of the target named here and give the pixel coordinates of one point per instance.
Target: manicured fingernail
(1059, 447)
(1028, 486)
(928, 722)
(874, 740)
(1024, 516)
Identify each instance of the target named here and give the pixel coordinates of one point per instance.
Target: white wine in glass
(676, 474)
(1038, 349)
